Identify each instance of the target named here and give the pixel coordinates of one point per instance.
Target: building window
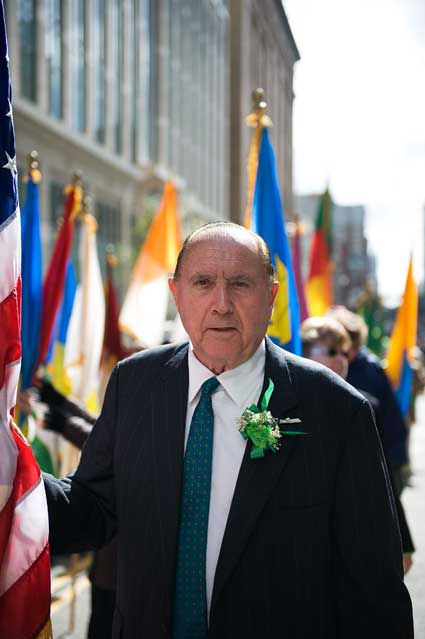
(99, 68)
(117, 22)
(78, 66)
(27, 30)
(108, 218)
(54, 56)
(57, 202)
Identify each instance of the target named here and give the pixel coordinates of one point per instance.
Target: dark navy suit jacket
(311, 548)
(366, 372)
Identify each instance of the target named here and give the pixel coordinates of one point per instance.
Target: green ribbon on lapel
(258, 425)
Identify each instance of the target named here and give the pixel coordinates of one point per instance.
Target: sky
(359, 120)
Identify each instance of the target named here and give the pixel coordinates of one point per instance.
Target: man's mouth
(222, 329)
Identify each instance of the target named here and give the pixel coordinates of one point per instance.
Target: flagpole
(256, 120)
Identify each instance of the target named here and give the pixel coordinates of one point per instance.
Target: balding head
(227, 230)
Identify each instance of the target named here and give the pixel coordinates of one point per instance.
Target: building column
(42, 97)
(13, 44)
(126, 83)
(66, 87)
(162, 88)
(90, 92)
(240, 35)
(109, 77)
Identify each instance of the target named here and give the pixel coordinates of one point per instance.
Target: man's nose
(223, 303)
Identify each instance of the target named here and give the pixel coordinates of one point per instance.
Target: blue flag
(268, 222)
(31, 283)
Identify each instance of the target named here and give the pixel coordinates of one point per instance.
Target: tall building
(263, 54)
(353, 265)
(134, 92)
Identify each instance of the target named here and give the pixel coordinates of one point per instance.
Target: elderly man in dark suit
(284, 530)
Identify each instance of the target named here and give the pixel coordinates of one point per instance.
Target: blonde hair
(354, 324)
(326, 330)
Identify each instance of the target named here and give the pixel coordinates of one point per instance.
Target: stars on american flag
(11, 164)
(9, 114)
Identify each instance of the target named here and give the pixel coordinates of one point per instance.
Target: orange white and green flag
(319, 282)
(144, 309)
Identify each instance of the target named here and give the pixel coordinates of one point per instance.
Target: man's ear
(275, 290)
(173, 288)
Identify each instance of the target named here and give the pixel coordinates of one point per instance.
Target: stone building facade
(135, 92)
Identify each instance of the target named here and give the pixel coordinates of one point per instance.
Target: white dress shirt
(239, 388)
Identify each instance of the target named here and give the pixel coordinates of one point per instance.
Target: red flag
(296, 262)
(113, 349)
(54, 281)
(24, 525)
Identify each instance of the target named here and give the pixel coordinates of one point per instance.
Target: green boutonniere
(259, 425)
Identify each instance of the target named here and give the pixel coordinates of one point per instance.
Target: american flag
(24, 549)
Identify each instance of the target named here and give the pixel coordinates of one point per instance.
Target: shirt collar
(239, 383)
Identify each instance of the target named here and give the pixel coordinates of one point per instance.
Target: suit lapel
(257, 477)
(169, 399)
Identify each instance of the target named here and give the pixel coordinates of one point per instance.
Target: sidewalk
(414, 503)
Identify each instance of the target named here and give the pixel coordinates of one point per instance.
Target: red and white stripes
(24, 528)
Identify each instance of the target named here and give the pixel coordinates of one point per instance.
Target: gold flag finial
(111, 259)
(33, 167)
(86, 216)
(77, 178)
(75, 186)
(257, 120)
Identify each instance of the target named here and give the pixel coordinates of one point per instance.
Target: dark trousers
(102, 612)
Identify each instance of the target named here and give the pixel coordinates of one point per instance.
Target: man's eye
(240, 284)
(202, 283)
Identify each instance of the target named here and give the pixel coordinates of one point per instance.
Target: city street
(413, 500)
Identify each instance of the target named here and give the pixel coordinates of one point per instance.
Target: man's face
(224, 299)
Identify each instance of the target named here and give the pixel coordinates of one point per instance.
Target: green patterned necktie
(190, 611)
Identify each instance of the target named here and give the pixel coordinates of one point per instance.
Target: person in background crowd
(366, 372)
(326, 341)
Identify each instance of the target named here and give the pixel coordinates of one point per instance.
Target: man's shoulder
(156, 357)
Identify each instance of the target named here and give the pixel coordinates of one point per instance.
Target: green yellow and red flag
(319, 283)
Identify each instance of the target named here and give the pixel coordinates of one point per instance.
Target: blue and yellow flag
(268, 221)
(31, 281)
(402, 343)
(56, 354)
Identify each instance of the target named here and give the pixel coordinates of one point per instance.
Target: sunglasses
(330, 352)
